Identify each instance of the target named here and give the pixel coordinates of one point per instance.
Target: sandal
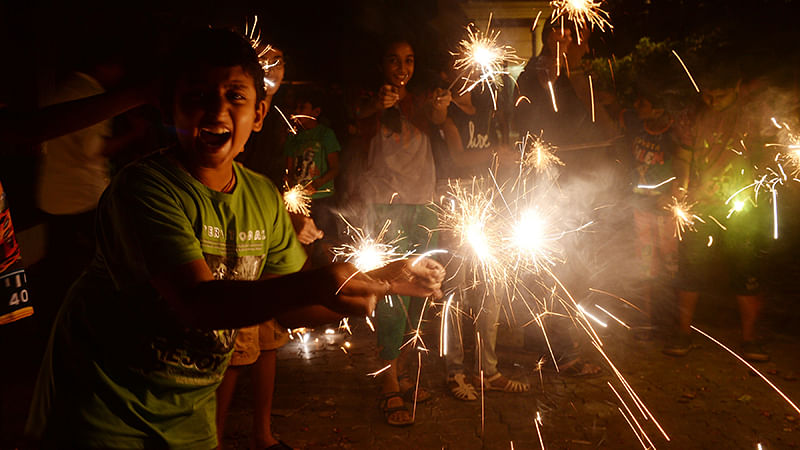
(461, 388)
(396, 416)
(580, 369)
(498, 382)
(407, 388)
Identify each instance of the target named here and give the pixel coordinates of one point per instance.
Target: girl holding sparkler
(398, 181)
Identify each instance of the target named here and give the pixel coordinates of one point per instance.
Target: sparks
(583, 13)
(378, 372)
(537, 154)
(481, 60)
(368, 253)
(684, 217)
(696, 88)
(749, 366)
(297, 199)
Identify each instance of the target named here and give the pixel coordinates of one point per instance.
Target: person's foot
(678, 345)
(409, 390)
(498, 382)
(395, 411)
(580, 369)
(754, 352)
(461, 388)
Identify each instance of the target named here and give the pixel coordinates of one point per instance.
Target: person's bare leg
(687, 302)
(263, 390)
(749, 309)
(224, 396)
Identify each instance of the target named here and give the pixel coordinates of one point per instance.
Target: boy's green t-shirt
(310, 149)
(120, 369)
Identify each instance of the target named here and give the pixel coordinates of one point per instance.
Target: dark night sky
(334, 40)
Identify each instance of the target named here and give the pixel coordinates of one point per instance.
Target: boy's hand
(306, 229)
(417, 277)
(387, 96)
(357, 291)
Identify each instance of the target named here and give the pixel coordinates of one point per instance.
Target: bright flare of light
(481, 60)
(583, 13)
(297, 199)
(365, 252)
(538, 154)
(684, 217)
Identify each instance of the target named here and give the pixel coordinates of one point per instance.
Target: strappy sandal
(407, 388)
(498, 382)
(390, 412)
(461, 388)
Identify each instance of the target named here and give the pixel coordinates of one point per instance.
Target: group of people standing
(190, 249)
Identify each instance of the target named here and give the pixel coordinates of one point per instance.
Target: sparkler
(537, 154)
(368, 253)
(297, 199)
(582, 13)
(696, 88)
(749, 366)
(481, 60)
(684, 217)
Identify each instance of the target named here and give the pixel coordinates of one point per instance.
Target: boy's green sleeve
(143, 230)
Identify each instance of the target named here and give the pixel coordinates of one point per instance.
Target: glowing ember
(297, 200)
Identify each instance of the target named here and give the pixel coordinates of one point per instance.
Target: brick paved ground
(706, 400)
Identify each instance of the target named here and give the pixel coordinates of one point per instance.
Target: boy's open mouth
(214, 138)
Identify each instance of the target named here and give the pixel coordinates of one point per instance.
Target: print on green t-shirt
(310, 150)
(136, 374)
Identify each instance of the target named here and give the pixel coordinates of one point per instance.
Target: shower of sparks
(297, 199)
(538, 421)
(368, 253)
(536, 20)
(292, 129)
(656, 186)
(612, 316)
(537, 154)
(591, 316)
(443, 335)
(378, 372)
(696, 88)
(583, 13)
(416, 387)
(552, 95)
(684, 217)
(749, 366)
(591, 94)
(482, 61)
(520, 99)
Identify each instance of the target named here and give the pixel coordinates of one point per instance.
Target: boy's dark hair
(311, 94)
(211, 48)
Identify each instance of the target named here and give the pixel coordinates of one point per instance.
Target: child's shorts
(251, 341)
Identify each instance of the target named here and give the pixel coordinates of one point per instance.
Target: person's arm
(64, 118)
(386, 98)
(333, 170)
(204, 303)
(439, 102)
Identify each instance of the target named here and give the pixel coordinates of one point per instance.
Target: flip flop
(408, 394)
(389, 411)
